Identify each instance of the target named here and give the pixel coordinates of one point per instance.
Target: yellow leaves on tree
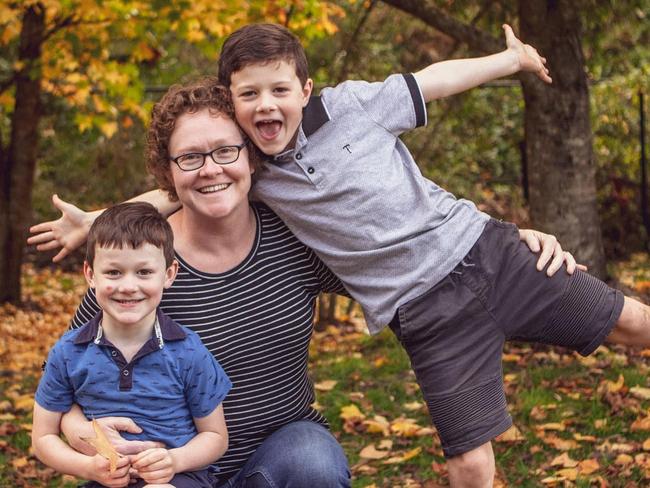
(98, 49)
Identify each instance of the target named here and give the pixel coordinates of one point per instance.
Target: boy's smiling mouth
(268, 129)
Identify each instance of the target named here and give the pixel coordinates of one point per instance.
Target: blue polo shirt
(171, 380)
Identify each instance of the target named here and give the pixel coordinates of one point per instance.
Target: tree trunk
(561, 169)
(19, 161)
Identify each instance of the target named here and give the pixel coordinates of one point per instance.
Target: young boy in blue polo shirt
(133, 360)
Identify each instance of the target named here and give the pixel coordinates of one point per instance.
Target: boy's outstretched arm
(71, 229)
(457, 75)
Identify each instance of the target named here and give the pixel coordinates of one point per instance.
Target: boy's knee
(472, 469)
(633, 325)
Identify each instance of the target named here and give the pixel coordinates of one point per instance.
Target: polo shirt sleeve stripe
(418, 100)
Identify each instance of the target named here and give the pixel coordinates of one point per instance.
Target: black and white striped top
(257, 321)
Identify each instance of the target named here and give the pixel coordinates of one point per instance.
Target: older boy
(133, 360)
(452, 283)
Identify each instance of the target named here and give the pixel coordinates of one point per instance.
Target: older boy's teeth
(213, 188)
(269, 128)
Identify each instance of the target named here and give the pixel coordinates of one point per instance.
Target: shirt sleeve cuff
(418, 100)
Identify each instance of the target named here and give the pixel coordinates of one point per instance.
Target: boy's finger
(556, 261)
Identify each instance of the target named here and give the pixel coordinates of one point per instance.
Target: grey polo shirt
(352, 192)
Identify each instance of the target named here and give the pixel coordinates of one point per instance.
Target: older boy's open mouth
(268, 128)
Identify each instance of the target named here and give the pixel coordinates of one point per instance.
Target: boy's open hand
(67, 232)
(528, 57)
(100, 472)
(550, 251)
(154, 465)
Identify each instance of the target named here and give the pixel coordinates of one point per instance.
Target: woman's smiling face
(213, 190)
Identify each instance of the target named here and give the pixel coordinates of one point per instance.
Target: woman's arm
(211, 442)
(71, 229)
(51, 450)
(75, 427)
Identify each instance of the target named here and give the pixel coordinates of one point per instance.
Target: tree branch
(439, 19)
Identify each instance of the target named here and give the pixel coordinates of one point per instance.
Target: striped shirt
(256, 320)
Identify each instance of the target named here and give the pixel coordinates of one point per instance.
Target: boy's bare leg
(473, 469)
(633, 326)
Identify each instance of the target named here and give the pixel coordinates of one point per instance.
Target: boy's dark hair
(132, 224)
(261, 44)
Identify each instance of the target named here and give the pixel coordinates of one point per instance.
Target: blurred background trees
(102, 64)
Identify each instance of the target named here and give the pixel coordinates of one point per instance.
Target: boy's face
(269, 99)
(129, 283)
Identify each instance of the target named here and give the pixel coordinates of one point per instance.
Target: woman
(245, 285)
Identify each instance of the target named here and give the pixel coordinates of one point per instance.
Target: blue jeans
(301, 454)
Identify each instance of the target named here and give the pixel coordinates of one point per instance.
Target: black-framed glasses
(221, 155)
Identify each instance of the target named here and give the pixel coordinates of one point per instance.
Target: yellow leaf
(378, 425)
(646, 444)
(371, 452)
(641, 424)
(351, 412)
(414, 406)
(565, 461)
(411, 454)
(511, 358)
(640, 392)
(108, 128)
(552, 426)
(103, 446)
(568, 473)
(623, 459)
(404, 427)
(24, 402)
(613, 386)
(588, 466)
(19, 462)
(327, 385)
(586, 438)
(511, 435)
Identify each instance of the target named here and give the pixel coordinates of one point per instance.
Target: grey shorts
(455, 332)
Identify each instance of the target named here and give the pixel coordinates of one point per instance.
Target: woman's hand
(154, 465)
(67, 232)
(550, 251)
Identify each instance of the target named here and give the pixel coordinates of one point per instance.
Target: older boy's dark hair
(260, 44)
(132, 224)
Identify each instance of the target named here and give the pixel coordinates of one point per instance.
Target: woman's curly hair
(181, 99)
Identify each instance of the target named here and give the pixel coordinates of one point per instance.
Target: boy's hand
(68, 232)
(155, 465)
(99, 470)
(550, 250)
(527, 56)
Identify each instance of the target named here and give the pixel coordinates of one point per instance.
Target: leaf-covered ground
(578, 421)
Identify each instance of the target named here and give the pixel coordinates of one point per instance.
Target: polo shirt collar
(169, 330)
(314, 115)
